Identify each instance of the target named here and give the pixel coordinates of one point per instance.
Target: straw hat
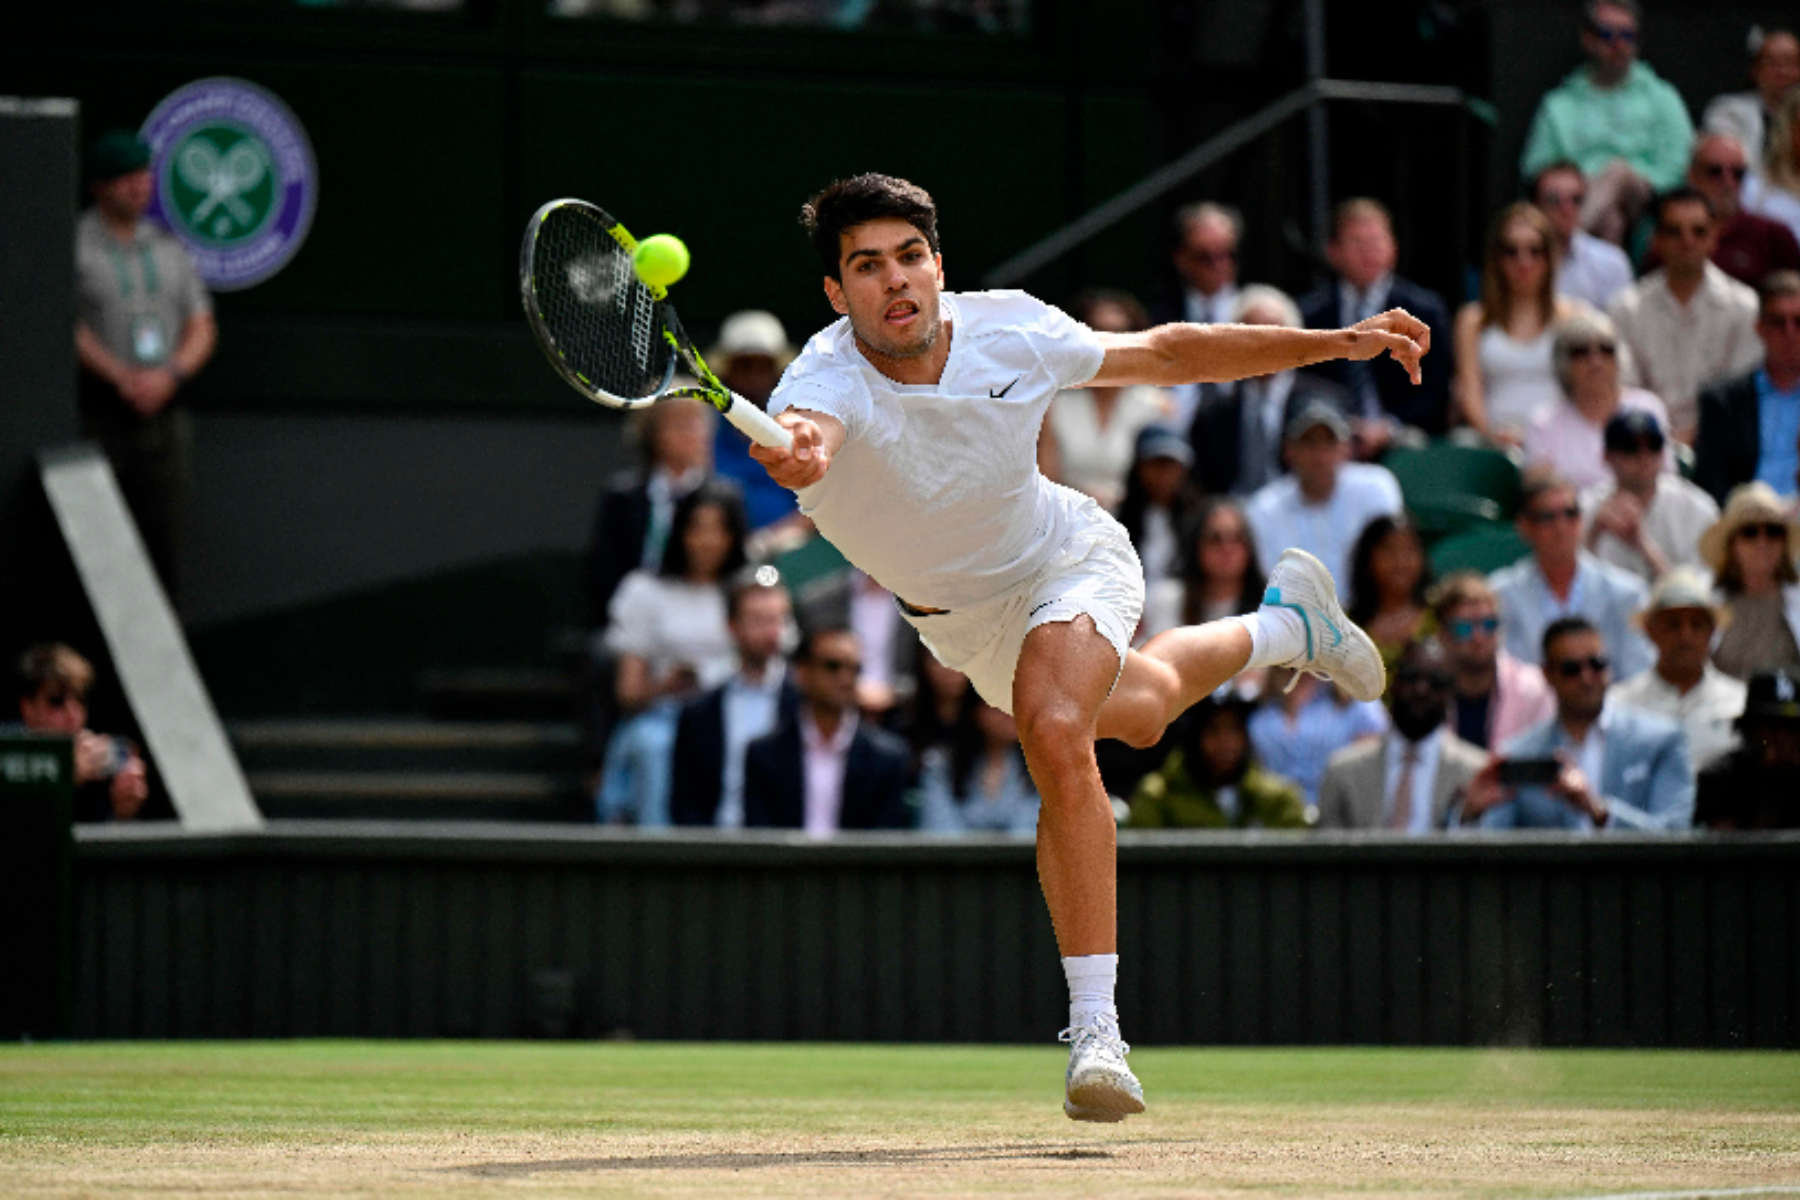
(1682, 587)
(1749, 504)
(751, 332)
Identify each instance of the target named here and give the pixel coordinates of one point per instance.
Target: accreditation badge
(149, 342)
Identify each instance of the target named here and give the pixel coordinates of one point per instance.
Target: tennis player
(915, 422)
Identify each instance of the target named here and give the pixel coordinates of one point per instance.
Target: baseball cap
(115, 153)
(1315, 413)
(1159, 441)
(1632, 428)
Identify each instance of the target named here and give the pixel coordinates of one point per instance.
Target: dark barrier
(489, 931)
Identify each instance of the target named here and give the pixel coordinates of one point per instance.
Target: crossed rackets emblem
(222, 179)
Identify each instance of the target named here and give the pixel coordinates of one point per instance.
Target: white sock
(1092, 979)
(1277, 636)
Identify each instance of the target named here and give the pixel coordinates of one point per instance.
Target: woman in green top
(1210, 781)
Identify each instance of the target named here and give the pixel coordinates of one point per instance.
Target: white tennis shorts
(1096, 572)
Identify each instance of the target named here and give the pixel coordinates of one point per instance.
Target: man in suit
(1408, 780)
(1738, 441)
(826, 769)
(1363, 252)
(717, 727)
(1619, 768)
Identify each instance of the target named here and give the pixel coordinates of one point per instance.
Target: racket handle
(757, 425)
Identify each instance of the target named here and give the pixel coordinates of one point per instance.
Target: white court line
(1701, 1193)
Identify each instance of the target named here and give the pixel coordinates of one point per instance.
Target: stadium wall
(469, 931)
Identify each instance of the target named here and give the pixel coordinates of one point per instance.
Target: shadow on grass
(738, 1161)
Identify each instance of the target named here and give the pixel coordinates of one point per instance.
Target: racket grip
(758, 425)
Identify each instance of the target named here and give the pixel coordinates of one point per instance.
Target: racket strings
(603, 320)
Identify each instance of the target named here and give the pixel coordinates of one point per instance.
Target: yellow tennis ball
(660, 259)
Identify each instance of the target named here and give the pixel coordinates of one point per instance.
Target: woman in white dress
(1088, 437)
(1503, 371)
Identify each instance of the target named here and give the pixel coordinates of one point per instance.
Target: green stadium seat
(1451, 487)
(1483, 548)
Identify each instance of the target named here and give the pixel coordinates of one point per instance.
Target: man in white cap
(752, 352)
(1684, 685)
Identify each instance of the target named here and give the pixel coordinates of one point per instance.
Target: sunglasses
(1415, 676)
(1582, 351)
(1543, 516)
(62, 700)
(1223, 539)
(1559, 199)
(839, 665)
(1788, 321)
(1694, 231)
(1613, 34)
(1462, 631)
(1775, 531)
(1725, 171)
(1521, 250)
(1645, 446)
(1571, 668)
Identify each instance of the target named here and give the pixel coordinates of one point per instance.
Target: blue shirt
(1320, 729)
(1778, 418)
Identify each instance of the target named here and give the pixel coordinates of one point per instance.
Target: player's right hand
(802, 465)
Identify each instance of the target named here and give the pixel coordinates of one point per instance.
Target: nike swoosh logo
(1001, 394)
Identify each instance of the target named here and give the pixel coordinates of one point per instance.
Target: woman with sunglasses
(1219, 573)
(1569, 435)
(1503, 370)
(1751, 553)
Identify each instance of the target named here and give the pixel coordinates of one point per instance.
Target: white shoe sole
(1100, 1101)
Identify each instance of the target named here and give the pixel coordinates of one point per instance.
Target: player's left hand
(1396, 331)
(802, 465)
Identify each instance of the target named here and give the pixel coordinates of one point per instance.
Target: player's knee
(1152, 704)
(1054, 732)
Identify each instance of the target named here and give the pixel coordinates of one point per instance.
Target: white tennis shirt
(936, 492)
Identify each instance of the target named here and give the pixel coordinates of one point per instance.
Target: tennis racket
(611, 336)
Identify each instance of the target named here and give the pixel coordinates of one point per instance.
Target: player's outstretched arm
(1175, 354)
(817, 439)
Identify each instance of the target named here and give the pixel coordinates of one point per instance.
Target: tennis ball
(660, 259)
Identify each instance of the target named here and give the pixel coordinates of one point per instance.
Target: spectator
(1774, 190)
(1625, 127)
(1389, 579)
(1683, 685)
(1569, 435)
(143, 328)
(1688, 324)
(850, 597)
(111, 781)
(1503, 371)
(1306, 721)
(1206, 261)
(1212, 780)
(1750, 425)
(1560, 579)
(1087, 437)
(1323, 506)
(1619, 768)
(1750, 246)
(1758, 786)
(708, 764)
(1235, 432)
(752, 353)
(826, 769)
(1363, 253)
(1750, 550)
(1749, 116)
(1409, 780)
(1646, 518)
(978, 782)
(1158, 500)
(936, 706)
(1220, 574)
(1588, 268)
(1495, 696)
(671, 639)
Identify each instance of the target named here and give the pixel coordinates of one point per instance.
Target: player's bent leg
(1174, 671)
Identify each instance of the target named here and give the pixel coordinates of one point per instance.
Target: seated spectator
(751, 354)
(1158, 500)
(111, 781)
(1619, 768)
(1684, 685)
(850, 597)
(1589, 269)
(1494, 696)
(927, 719)
(715, 727)
(1088, 435)
(1646, 519)
(1327, 501)
(1363, 252)
(1206, 266)
(1774, 72)
(671, 639)
(1212, 780)
(1750, 246)
(1504, 376)
(1296, 731)
(1615, 118)
(1560, 579)
(978, 782)
(1567, 436)
(1409, 780)
(1758, 786)
(1220, 573)
(1773, 190)
(1688, 324)
(1750, 550)
(1389, 579)
(1750, 425)
(827, 769)
(1235, 431)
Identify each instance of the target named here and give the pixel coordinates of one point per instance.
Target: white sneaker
(1336, 649)
(1099, 1086)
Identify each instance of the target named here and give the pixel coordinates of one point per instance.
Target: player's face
(888, 287)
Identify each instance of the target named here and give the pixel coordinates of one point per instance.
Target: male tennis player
(915, 423)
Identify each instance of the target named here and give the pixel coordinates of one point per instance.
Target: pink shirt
(1562, 438)
(1522, 699)
(824, 761)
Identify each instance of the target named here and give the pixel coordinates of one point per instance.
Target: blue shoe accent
(1272, 599)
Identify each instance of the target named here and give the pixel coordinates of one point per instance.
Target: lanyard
(122, 269)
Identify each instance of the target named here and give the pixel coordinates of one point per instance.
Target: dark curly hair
(847, 203)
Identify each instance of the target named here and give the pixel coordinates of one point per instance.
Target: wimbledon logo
(235, 179)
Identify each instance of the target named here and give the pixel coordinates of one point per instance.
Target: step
(351, 744)
(511, 694)
(419, 795)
